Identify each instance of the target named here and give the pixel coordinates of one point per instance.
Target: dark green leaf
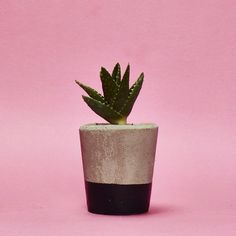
(123, 91)
(91, 92)
(126, 74)
(103, 110)
(116, 76)
(133, 94)
(109, 86)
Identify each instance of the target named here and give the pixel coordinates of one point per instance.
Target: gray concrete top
(106, 126)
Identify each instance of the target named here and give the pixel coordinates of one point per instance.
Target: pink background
(187, 49)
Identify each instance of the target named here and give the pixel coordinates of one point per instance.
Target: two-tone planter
(118, 162)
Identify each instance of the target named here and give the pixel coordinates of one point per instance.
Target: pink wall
(187, 50)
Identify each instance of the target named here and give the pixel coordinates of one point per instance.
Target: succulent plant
(118, 97)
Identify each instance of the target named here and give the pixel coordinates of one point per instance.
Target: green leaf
(133, 94)
(103, 110)
(91, 92)
(126, 74)
(109, 86)
(123, 91)
(116, 74)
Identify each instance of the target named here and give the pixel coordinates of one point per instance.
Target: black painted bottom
(117, 199)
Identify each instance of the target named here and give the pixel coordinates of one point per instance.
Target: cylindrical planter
(118, 162)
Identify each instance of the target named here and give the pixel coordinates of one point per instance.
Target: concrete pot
(118, 162)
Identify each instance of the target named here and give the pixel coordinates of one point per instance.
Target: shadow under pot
(118, 162)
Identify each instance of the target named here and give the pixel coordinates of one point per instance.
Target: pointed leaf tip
(133, 94)
(91, 92)
(116, 73)
(109, 85)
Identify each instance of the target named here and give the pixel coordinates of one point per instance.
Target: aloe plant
(118, 97)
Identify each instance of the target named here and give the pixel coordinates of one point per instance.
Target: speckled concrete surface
(118, 154)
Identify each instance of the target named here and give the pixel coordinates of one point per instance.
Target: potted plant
(118, 158)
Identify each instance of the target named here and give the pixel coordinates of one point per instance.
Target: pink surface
(187, 50)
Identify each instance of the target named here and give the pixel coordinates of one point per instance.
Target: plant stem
(122, 121)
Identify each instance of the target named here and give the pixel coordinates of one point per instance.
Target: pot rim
(107, 126)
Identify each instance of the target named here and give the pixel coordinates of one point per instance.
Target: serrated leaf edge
(87, 88)
(105, 104)
(139, 80)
